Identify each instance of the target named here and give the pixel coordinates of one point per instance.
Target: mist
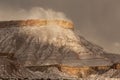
(96, 20)
(33, 13)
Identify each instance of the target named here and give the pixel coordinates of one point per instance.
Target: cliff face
(22, 23)
(51, 43)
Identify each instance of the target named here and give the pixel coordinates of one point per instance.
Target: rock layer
(21, 23)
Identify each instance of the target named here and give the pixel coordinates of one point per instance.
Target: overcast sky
(97, 20)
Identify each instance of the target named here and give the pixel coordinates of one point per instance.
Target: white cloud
(33, 13)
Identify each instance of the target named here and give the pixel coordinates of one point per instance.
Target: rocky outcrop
(80, 72)
(48, 48)
(12, 69)
(30, 23)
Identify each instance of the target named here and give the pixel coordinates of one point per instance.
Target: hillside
(51, 49)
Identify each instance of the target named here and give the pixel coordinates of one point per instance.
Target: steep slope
(12, 69)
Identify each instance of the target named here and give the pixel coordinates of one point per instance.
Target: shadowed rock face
(11, 68)
(36, 43)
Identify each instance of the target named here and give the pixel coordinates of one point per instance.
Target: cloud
(33, 13)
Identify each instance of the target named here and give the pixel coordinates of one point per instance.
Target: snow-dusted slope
(47, 45)
(51, 44)
(12, 69)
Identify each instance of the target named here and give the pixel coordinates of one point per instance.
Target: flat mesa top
(36, 22)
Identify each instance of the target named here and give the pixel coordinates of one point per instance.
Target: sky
(97, 20)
